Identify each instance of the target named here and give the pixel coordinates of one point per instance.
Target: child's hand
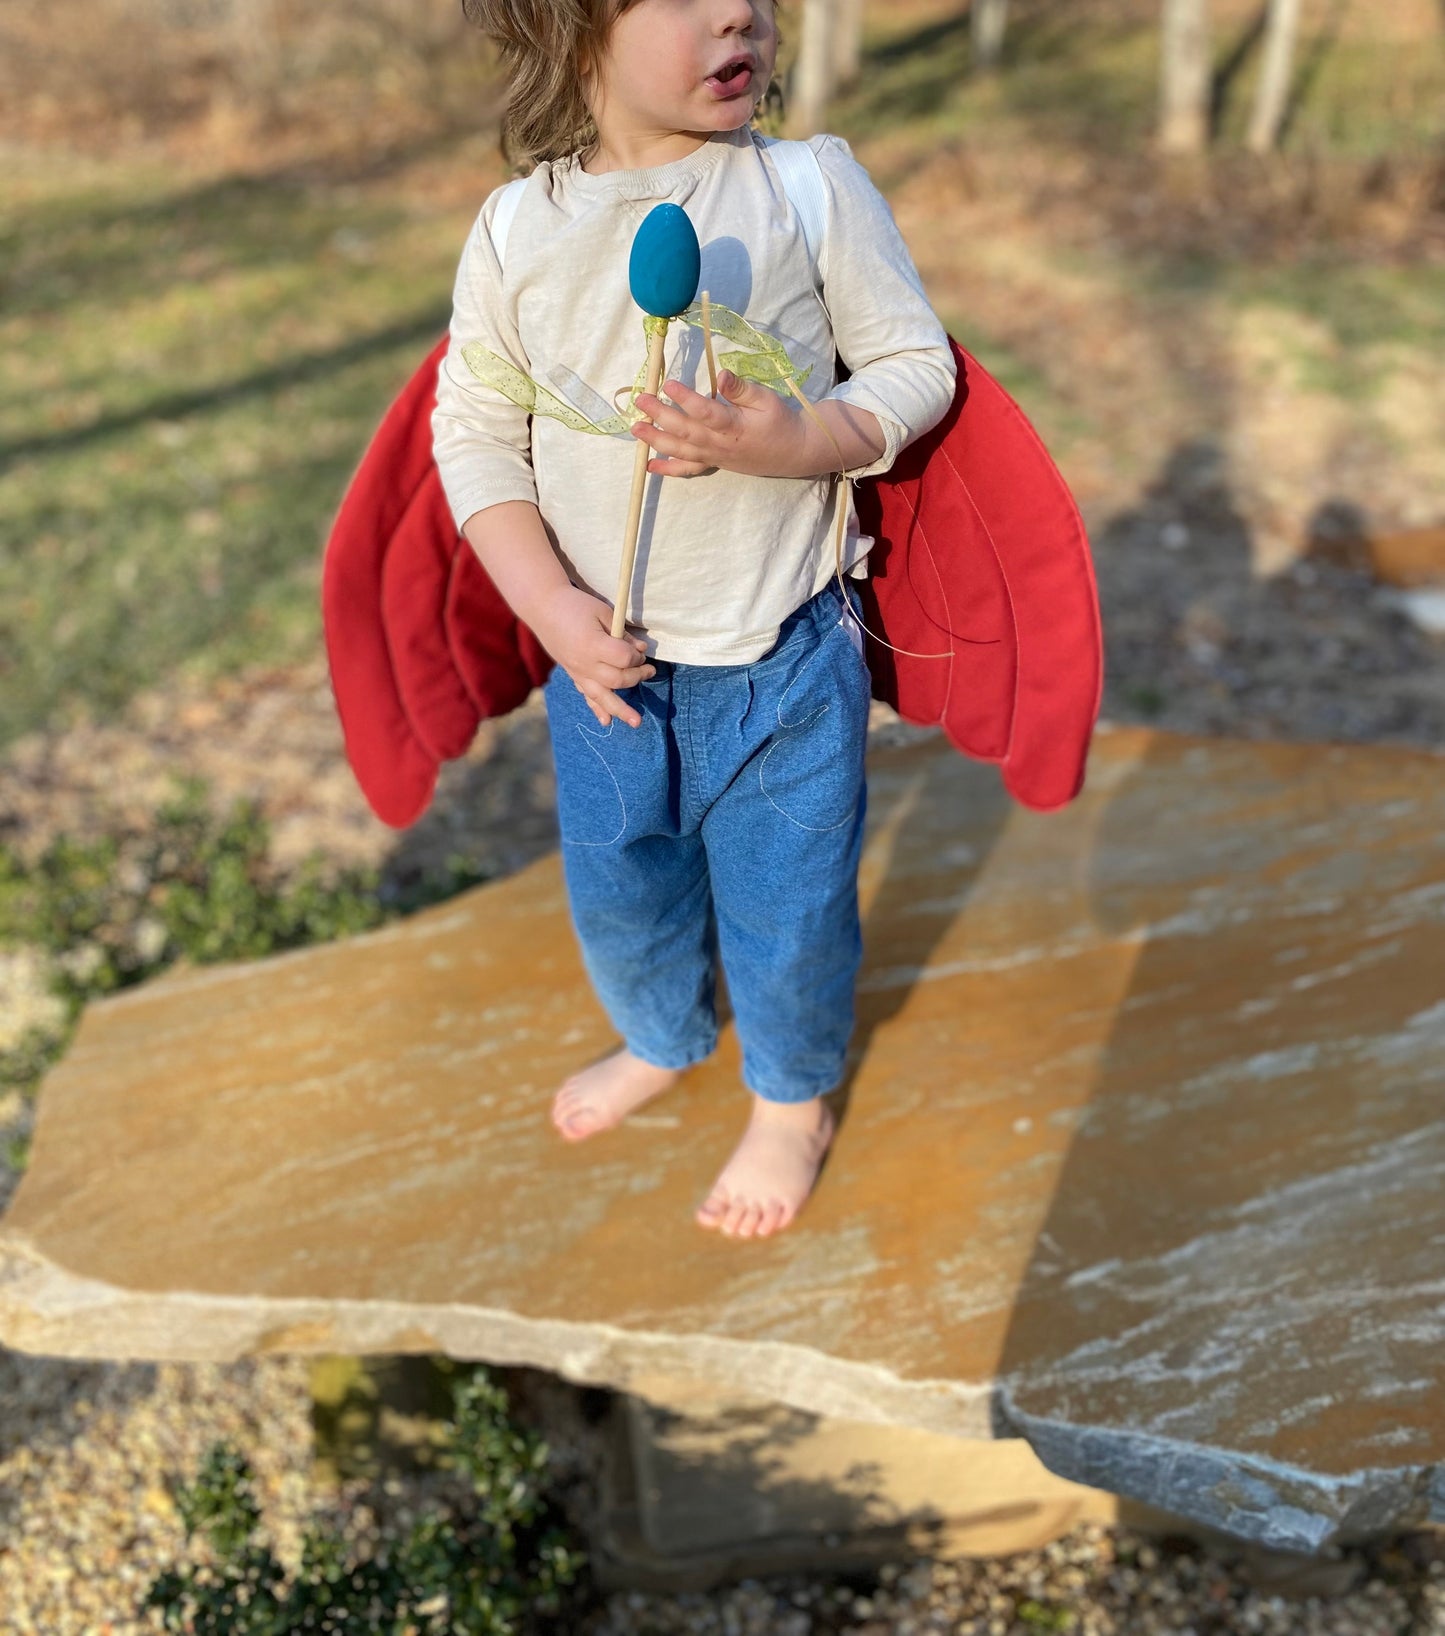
(746, 428)
(575, 627)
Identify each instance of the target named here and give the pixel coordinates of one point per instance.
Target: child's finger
(695, 405)
(666, 467)
(602, 698)
(615, 676)
(673, 445)
(672, 414)
(617, 652)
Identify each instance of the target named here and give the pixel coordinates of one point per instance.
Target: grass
(1087, 74)
(193, 366)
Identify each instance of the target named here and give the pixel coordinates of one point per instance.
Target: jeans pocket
(812, 771)
(591, 809)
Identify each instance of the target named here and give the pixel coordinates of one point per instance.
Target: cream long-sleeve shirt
(723, 559)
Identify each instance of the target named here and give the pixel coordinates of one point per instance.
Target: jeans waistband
(817, 616)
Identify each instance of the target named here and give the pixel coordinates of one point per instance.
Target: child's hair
(547, 46)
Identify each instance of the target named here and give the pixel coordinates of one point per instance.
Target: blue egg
(666, 262)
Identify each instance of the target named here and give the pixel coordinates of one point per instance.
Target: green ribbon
(755, 357)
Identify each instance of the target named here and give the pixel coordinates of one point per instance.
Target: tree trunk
(847, 41)
(1184, 77)
(1272, 97)
(987, 21)
(256, 32)
(813, 72)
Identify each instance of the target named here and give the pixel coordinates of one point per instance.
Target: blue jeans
(730, 823)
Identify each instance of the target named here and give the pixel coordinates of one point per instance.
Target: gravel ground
(87, 1450)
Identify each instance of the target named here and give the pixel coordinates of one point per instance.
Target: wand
(663, 274)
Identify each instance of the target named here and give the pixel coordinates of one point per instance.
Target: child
(709, 764)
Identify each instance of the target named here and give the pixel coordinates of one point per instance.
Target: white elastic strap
(802, 177)
(502, 217)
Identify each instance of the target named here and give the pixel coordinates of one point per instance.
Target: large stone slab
(1140, 1158)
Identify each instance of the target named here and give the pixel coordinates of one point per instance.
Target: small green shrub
(506, 1568)
(199, 885)
(1046, 1616)
(219, 896)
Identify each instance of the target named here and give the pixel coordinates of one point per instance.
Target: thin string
(840, 532)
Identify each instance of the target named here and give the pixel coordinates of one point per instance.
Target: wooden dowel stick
(639, 484)
(707, 343)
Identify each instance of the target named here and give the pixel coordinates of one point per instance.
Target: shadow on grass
(1227, 73)
(119, 247)
(425, 326)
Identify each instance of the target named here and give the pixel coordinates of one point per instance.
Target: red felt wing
(389, 504)
(980, 554)
(422, 647)
(981, 550)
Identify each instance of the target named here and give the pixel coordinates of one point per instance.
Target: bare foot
(763, 1186)
(604, 1094)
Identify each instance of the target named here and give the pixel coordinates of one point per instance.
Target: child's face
(685, 65)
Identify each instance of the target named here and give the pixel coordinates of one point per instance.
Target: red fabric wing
(439, 709)
(497, 657)
(981, 547)
(396, 771)
(937, 587)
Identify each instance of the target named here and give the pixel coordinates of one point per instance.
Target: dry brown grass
(233, 77)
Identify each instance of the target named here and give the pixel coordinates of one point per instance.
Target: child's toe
(713, 1208)
(578, 1122)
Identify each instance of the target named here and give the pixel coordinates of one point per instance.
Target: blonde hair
(547, 48)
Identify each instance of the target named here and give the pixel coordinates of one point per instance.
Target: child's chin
(731, 116)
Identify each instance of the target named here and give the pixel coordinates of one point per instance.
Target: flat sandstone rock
(1141, 1158)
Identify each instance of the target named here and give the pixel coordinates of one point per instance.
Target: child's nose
(734, 16)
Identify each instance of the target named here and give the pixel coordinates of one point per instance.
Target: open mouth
(732, 78)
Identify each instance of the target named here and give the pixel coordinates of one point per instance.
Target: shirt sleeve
(901, 365)
(481, 439)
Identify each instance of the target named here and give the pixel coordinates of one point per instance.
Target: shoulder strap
(503, 214)
(798, 171)
(802, 177)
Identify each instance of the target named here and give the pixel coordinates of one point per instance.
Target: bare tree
(847, 41)
(814, 76)
(256, 31)
(1184, 76)
(1272, 97)
(988, 20)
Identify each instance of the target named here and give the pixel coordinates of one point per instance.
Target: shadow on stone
(1226, 1313)
(902, 924)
